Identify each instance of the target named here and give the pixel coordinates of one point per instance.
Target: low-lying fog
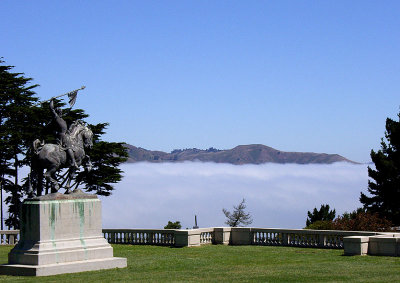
(277, 196)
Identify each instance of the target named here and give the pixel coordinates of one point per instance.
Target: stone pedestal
(61, 234)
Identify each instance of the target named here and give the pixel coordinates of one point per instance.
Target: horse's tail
(37, 146)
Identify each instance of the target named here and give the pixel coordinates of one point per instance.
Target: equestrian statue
(68, 153)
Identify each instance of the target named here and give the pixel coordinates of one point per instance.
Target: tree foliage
(384, 188)
(21, 122)
(17, 127)
(323, 214)
(361, 220)
(321, 225)
(238, 217)
(358, 220)
(173, 225)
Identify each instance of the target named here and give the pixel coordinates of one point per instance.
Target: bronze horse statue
(54, 157)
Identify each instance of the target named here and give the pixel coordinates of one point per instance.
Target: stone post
(241, 236)
(222, 235)
(355, 245)
(187, 238)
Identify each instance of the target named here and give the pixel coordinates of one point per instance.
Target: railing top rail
(201, 230)
(320, 232)
(9, 232)
(139, 230)
(250, 229)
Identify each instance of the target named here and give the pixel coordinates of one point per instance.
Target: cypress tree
(384, 188)
(16, 129)
(323, 214)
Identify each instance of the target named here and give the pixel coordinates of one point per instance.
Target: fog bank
(277, 195)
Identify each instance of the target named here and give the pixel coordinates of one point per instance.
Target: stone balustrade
(160, 237)
(9, 237)
(233, 236)
(303, 237)
(353, 242)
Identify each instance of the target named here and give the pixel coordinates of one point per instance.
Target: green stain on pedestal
(53, 215)
(79, 206)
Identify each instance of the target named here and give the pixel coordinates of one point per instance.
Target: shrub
(321, 225)
(362, 221)
(173, 225)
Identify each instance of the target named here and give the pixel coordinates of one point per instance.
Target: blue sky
(316, 76)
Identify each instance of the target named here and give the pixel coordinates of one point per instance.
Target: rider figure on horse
(64, 139)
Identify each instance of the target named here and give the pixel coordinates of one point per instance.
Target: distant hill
(242, 154)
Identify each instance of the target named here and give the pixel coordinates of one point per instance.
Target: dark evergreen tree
(16, 130)
(238, 217)
(323, 214)
(384, 188)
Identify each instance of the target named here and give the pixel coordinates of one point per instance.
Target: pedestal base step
(60, 268)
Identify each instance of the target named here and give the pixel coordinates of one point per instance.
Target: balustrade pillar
(285, 239)
(322, 240)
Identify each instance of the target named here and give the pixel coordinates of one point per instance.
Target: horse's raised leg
(71, 175)
(88, 164)
(49, 177)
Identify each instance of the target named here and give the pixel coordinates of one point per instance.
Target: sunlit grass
(217, 263)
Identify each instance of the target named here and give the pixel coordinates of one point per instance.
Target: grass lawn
(217, 263)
